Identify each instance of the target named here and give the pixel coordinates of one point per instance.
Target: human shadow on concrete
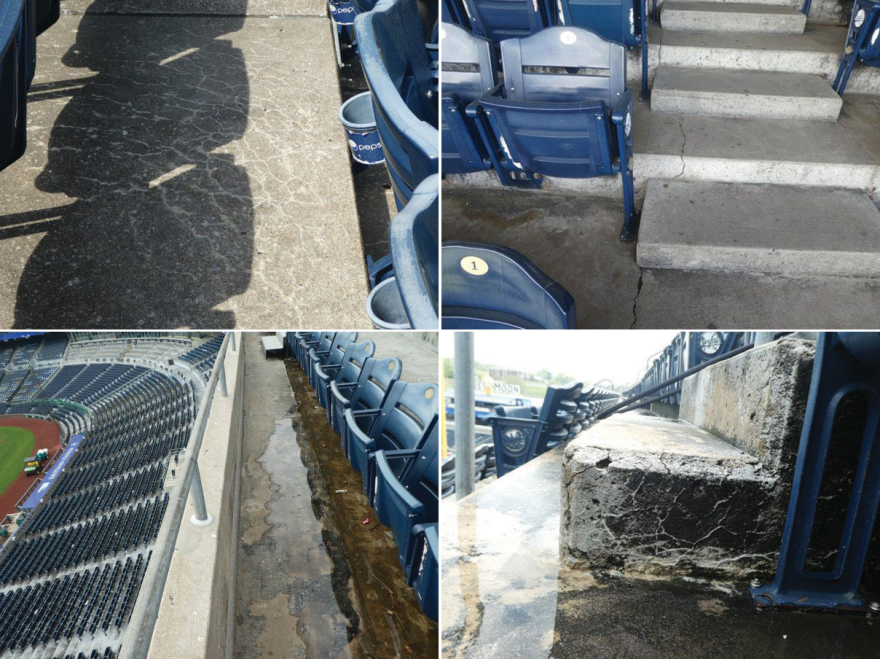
(161, 231)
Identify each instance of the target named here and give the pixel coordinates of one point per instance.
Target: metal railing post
(223, 390)
(232, 341)
(201, 518)
(465, 469)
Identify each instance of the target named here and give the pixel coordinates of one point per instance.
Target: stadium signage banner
(53, 474)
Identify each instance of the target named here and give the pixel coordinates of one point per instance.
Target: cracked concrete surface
(183, 171)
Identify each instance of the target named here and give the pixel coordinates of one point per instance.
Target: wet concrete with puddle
(312, 580)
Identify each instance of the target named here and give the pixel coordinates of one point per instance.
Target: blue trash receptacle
(385, 306)
(356, 115)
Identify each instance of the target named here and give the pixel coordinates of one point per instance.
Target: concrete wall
(194, 616)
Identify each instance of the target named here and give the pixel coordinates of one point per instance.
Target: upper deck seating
(621, 21)
(413, 259)
(862, 41)
(563, 110)
(345, 372)
(399, 71)
(374, 383)
(522, 433)
(469, 70)
(494, 287)
(498, 20)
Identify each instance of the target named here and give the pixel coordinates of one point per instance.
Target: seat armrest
(330, 367)
(358, 413)
(346, 385)
(474, 106)
(624, 105)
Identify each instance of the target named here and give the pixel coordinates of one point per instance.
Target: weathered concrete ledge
(194, 616)
(199, 7)
(654, 496)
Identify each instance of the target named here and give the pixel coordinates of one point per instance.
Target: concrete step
(744, 94)
(774, 229)
(658, 496)
(817, 51)
(732, 17)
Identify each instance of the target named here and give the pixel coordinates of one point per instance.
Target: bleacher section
(70, 575)
(390, 433)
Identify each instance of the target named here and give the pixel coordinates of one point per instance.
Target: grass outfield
(16, 444)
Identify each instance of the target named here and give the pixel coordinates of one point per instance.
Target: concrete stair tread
(781, 229)
(732, 81)
(743, 93)
(656, 436)
(826, 39)
(729, 8)
(770, 140)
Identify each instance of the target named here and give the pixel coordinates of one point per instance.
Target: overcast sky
(590, 356)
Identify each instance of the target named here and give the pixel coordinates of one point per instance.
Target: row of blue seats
(53, 347)
(20, 23)
(562, 109)
(32, 384)
(389, 433)
(522, 433)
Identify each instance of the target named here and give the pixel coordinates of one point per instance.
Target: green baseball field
(16, 444)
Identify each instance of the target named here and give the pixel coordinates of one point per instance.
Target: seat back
(554, 116)
(469, 70)
(506, 19)
(408, 413)
(325, 341)
(493, 287)
(302, 346)
(870, 51)
(356, 354)
(616, 20)
(375, 382)
(398, 71)
(339, 346)
(414, 245)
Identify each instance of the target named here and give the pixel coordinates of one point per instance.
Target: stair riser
(828, 12)
(701, 21)
(745, 106)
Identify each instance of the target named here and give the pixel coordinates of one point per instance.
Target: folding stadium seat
(498, 20)
(404, 421)
(17, 65)
(469, 70)
(401, 80)
(862, 41)
(494, 287)
(403, 488)
(522, 433)
(412, 263)
(453, 11)
(332, 355)
(325, 340)
(346, 372)
(425, 574)
(375, 381)
(307, 340)
(563, 110)
(620, 21)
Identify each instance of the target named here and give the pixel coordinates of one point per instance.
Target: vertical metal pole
(232, 341)
(443, 447)
(465, 473)
(223, 390)
(763, 337)
(201, 517)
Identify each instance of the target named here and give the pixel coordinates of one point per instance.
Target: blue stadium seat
(306, 341)
(403, 491)
(407, 414)
(367, 394)
(17, 64)
(522, 433)
(469, 70)
(862, 41)
(494, 287)
(398, 69)
(453, 11)
(498, 20)
(426, 563)
(331, 356)
(346, 372)
(325, 340)
(414, 245)
(563, 110)
(620, 21)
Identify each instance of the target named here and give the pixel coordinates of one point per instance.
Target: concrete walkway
(183, 169)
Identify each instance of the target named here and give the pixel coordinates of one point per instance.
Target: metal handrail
(139, 633)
